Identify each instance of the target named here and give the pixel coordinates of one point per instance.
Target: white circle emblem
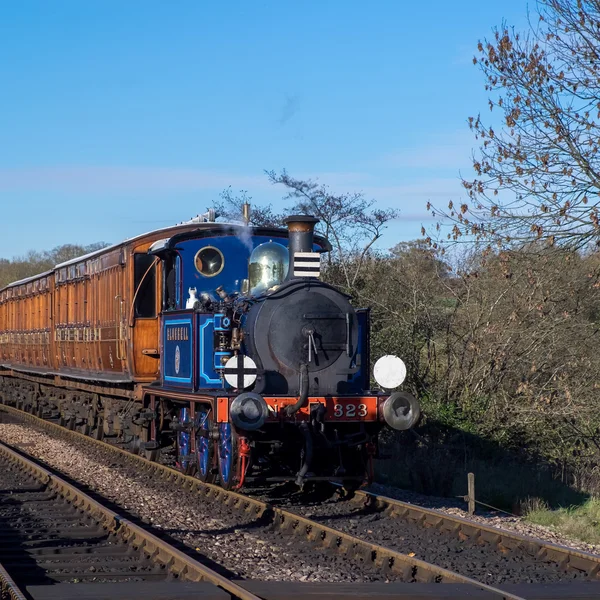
(389, 371)
(177, 360)
(240, 369)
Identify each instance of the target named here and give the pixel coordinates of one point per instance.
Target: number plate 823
(359, 409)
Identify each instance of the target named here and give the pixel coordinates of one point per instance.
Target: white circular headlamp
(389, 371)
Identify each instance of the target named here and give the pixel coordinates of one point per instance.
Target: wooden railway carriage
(217, 341)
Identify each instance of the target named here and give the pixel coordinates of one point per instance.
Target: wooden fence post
(471, 492)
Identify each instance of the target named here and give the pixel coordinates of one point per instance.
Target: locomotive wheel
(204, 446)
(227, 456)
(185, 462)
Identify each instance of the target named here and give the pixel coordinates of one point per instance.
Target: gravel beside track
(463, 556)
(490, 518)
(245, 547)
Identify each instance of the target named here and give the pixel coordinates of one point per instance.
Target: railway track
(397, 566)
(52, 533)
(404, 527)
(568, 559)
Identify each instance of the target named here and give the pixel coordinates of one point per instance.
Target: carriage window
(145, 286)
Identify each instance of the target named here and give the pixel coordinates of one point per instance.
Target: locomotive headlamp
(389, 371)
(249, 411)
(401, 411)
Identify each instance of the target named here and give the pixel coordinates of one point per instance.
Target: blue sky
(118, 117)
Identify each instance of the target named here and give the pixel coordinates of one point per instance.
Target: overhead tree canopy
(538, 172)
(350, 221)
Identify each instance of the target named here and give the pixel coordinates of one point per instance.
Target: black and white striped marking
(307, 264)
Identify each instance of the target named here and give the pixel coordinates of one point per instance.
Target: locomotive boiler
(218, 344)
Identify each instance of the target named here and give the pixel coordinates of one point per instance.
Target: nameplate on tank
(177, 353)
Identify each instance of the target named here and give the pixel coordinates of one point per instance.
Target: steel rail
(388, 560)
(178, 563)
(8, 588)
(503, 540)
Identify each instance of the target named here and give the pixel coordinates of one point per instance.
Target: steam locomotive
(216, 342)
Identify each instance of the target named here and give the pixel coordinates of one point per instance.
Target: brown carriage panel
(145, 349)
(48, 325)
(3, 326)
(86, 345)
(40, 326)
(110, 316)
(24, 351)
(8, 344)
(5, 329)
(16, 330)
(31, 339)
(94, 318)
(77, 323)
(80, 350)
(26, 339)
(35, 327)
(71, 324)
(87, 327)
(59, 312)
(20, 327)
(36, 338)
(31, 328)
(22, 322)
(11, 327)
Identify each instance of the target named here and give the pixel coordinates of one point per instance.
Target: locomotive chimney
(303, 261)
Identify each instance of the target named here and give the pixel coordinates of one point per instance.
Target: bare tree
(35, 262)
(350, 221)
(520, 351)
(230, 208)
(538, 171)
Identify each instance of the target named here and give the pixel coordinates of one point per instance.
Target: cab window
(172, 285)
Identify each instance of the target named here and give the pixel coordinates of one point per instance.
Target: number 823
(350, 411)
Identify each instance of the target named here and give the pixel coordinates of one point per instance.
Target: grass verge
(580, 522)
